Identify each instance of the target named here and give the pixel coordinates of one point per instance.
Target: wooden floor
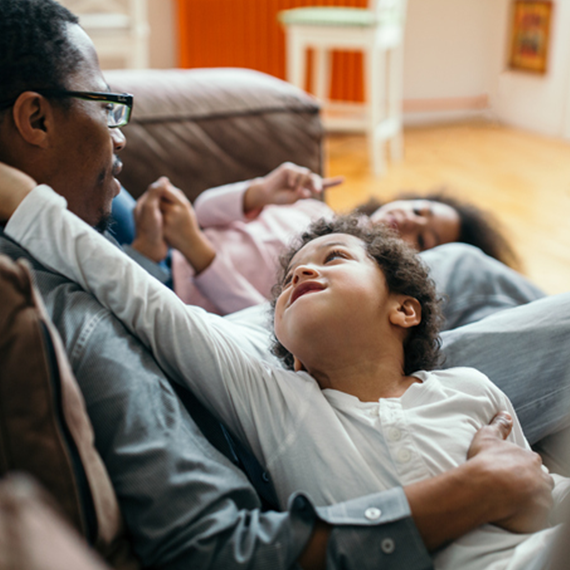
(523, 178)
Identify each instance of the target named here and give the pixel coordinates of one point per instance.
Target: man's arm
(500, 483)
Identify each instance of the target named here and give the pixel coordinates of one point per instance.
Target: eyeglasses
(119, 105)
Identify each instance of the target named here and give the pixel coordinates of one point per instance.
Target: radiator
(245, 33)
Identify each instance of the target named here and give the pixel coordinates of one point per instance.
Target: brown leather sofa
(207, 127)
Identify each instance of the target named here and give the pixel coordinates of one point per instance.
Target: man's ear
(33, 118)
(406, 313)
(298, 366)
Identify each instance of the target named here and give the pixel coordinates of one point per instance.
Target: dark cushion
(44, 427)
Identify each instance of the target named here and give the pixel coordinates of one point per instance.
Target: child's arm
(244, 201)
(226, 287)
(196, 349)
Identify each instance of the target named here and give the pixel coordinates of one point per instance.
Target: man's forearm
(449, 505)
(500, 483)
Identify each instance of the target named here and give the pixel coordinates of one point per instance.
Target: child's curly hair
(404, 273)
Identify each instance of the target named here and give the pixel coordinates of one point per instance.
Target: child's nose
(303, 271)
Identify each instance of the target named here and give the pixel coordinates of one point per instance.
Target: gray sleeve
(184, 503)
(156, 270)
(520, 350)
(475, 285)
(375, 531)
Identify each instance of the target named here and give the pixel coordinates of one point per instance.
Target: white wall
(456, 67)
(447, 51)
(446, 48)
(535, 102)
(163, 33)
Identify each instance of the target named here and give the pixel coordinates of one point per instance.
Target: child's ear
(298, 366)
(406, 313)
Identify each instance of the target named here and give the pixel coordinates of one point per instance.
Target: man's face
(84, 162)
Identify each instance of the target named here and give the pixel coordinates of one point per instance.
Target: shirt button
(372, 513)
(394, 434)
(404, 455)
(388, 546)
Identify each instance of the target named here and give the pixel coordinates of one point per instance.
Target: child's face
(334, 297)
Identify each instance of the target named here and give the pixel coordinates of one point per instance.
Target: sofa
(207, 127)
(201, 128)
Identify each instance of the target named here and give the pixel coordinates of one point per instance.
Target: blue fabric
(122, 225)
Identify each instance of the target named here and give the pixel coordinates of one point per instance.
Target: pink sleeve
(222, 205)
(227, 288)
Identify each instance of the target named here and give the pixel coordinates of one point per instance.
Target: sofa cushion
(33, 536)
(44, 427)
(207, 127)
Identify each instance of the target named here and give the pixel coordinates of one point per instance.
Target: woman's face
(421, 223)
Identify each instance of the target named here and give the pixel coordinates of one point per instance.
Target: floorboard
(523, 178)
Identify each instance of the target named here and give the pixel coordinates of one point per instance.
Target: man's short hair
(35, 51)
(404, 272)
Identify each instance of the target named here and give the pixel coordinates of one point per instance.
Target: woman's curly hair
(404, 272)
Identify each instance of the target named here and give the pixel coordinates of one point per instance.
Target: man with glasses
(118, 106)
(186, 505)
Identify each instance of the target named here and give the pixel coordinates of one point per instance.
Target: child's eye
(421, 243)
(288, 279)
(335, 254)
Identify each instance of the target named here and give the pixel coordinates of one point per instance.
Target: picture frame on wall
(530, 35)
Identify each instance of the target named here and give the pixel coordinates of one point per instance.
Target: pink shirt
(247, 250)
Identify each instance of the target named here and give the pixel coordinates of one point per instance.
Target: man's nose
(119, 140)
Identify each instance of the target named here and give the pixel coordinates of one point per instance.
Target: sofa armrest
(207, 127)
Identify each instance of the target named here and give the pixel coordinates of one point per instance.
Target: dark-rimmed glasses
(119, 105)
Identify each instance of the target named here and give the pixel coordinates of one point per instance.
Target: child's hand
(180, 223)
(149, 223)
(285, 185)
(181, 229)
(14, 187)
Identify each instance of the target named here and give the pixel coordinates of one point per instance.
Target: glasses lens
(118, 115)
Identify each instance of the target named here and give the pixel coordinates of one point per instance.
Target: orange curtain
(245, 33)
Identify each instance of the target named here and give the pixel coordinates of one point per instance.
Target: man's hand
(285, 185)
(181, 229)
(523, 488)
(149, 238)
(499, 483)
(14, 187)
